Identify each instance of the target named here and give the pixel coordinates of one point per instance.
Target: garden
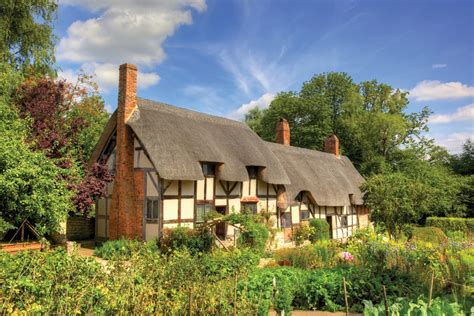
(429, 271)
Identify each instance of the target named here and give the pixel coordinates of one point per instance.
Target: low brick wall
(80, 228)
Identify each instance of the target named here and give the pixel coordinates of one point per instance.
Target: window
(299, 197)
(152, 206)
(285, 220)
(304, 215)
(249, 208)
(344, 220)
(201, 211)
(208, 169)
(253, 172)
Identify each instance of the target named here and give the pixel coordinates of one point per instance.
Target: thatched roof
(178, 140)
(330, 180)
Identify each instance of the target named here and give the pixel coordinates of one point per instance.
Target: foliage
(451, 224)
(66, 122)
(368, 117)
(429, 234)
(148, 283)
(195, 240)
(91, 188)
(31, 186)
(463, 163)
(253, 233)
(318, 255)
(302, 233)
(404, 306)
(4, 227)
(26, 33)
(122, 249)
(321, 230)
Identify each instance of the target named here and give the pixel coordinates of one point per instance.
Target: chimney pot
(331, 145)
(283, 132)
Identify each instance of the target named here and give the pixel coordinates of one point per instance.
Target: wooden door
(221, 227)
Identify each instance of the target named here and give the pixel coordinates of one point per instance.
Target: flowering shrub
(345, 256)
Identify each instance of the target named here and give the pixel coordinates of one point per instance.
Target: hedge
(430, 234)
(321, 229)
(450, 224)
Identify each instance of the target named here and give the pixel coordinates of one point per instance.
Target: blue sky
(225, 57)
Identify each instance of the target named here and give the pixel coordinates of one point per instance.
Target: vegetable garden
(180, 275)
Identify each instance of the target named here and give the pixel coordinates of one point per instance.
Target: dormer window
(253, 172)
(208, 169)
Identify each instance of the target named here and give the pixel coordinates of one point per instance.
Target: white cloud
(464, 113)
(262, 103)
(454, 142)
(106, 76)
(436, 90)
(124, 31)
(438, 66)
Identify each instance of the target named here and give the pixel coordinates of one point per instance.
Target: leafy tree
(369, 119)
(26, 34)
(31, 185)
(463, 163)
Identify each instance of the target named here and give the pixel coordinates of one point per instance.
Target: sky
(225, 57)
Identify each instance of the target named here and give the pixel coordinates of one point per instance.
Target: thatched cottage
(173, 165)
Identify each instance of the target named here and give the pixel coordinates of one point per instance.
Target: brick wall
(283, 132)
(80, 228)
(125, 219)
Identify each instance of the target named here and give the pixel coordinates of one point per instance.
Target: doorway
(221, 230)
(329, 220)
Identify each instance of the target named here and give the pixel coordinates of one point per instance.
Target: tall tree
(26, 34)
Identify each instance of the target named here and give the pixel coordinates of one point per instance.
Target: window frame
(205, 205)
(154, 201)
(344, 221)
(285, 215)
(306, 218)
(254, 207)
(208, 169)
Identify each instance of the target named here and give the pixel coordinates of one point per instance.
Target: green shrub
(319, 255)
(4, 227)
(302, 233)
(433, 235)
(321, 229)
(465, 225)
(404, 306)
(122, 249)
(195, 240)
(255, 235)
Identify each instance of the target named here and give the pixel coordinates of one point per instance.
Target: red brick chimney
(283, 132)
(124, 220)
(331, 145)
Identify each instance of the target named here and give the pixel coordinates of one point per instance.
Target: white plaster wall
(221, 202)
(151, 231)
(245, 188)
(210, 189)
(200, 189)
(170, 209)
(172, 188)
(187, 187)
(187, 208)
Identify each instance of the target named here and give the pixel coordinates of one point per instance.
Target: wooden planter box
(15, 247)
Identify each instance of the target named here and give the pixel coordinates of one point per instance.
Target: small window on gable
(285, 220)
(253, 172)
(208, 169)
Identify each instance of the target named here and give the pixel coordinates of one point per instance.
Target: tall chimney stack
(122, 218)
(283, 132)
(331, 145)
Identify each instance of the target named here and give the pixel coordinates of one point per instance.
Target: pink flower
(346, 256)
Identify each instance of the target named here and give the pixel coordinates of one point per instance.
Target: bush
(4, 227)
(465, 225)
(321, 229)
(302, 233)
(404, 306)
(429, 234)
(254, 235)
(122, 249)
(319, 255)
(195, 240)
